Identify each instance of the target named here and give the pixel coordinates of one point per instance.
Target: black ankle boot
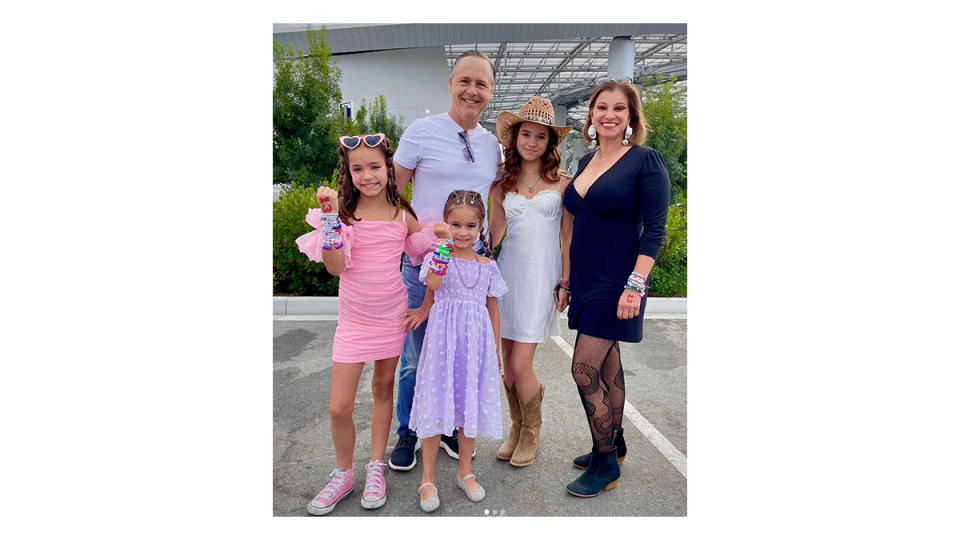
(603, 473)
(581, 462)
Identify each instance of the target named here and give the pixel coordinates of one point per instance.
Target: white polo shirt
(433, 149)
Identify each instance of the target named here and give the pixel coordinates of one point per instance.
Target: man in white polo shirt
(441, 153)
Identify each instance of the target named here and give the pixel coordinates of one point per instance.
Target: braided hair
(469, 199)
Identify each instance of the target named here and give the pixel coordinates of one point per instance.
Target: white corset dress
(530, 264)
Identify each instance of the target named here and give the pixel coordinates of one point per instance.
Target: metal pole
(621, 58)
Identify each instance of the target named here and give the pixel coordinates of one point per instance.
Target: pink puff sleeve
(422, 243)
(311, 244)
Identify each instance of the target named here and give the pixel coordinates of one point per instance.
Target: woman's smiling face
(611, 113)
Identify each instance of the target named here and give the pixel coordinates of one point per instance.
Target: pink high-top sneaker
(336, 489)
(375, 487)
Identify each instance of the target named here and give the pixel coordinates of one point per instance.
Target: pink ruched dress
(372, 296)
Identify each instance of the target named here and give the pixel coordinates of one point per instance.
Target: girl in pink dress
(361, 231)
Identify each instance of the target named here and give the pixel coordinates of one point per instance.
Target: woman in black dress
(618, 200)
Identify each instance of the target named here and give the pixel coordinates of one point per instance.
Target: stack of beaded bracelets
(441, 257)
(636, 282)
(565, 285)
(332, 237)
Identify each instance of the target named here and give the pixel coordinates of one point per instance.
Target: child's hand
(442, 230)
(328, 200)
(411, 319)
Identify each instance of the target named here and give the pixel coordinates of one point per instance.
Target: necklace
(529, 187)
(456, 266)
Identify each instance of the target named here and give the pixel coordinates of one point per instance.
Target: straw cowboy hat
(537, 110)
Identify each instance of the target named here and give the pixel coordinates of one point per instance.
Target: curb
(327, 305)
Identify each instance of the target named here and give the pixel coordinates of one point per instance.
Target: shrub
(293, 272)
(669, 274)
(666, 113)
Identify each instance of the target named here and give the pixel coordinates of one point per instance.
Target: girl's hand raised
(328, 200)
(442, 230)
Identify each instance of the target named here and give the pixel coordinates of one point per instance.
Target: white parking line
(669, 451)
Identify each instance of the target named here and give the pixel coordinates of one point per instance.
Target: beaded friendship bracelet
(637, 283)
(441, 257)
(565, 285)
(332, 231)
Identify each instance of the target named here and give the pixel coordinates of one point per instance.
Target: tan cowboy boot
(526, 449)
(506, 449)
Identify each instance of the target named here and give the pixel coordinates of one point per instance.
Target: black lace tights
(599, 376)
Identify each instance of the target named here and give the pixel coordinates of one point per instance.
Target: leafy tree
(376, 119)
(306, 112)
(666, 115)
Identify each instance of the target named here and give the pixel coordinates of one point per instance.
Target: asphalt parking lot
(653, 476)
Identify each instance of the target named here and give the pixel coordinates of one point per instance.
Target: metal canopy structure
(567, 71)
(563, 62)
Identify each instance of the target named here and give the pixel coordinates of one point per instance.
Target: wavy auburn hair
(637, 121)
(350, 196)
(510, 168)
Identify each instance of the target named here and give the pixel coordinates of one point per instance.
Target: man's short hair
(474, 52)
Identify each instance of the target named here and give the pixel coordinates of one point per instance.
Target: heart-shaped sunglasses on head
(352, 141)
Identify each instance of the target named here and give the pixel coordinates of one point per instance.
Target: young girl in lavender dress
(458, 379)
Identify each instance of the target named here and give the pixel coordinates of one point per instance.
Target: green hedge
(669, 275)
(294, 273)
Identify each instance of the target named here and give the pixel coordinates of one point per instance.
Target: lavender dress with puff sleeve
(458, 380)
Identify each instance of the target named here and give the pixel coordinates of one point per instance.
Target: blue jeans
(410, 356)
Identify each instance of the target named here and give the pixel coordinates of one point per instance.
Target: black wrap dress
(622, 215)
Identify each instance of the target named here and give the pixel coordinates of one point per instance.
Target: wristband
(637, 283)
(441, 257)
(332, 231)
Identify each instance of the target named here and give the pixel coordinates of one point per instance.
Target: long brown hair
(469, 199)
(637, 120)
(349, 196)
(510, 168)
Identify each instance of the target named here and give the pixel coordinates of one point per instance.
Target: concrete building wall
(412, 80)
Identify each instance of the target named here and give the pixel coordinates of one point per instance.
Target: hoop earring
(592, 132)
(627, 134)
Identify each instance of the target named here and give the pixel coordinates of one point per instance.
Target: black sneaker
(452, 447)
(404, 454)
